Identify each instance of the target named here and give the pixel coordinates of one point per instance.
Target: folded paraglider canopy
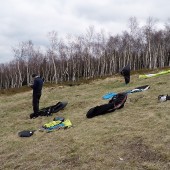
(117, 102)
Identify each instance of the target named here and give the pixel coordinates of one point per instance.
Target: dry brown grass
(136, 137)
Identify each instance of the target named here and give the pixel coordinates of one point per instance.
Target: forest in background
(89, 55)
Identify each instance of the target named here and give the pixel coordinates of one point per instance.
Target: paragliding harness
(117, 102)
(48, 111)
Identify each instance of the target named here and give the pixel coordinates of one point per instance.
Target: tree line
(90, 55)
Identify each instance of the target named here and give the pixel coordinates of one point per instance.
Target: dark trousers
(127, 79)
(126, 76)
(35, 102)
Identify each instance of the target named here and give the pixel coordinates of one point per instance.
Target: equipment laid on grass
(163, 98)
(26, 133)
(48, 111)
(109, 95)
(117, 102)
(154, 75)
(137, 89)
(56, 124)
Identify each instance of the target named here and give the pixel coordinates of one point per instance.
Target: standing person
(37, 91)
(126, 73)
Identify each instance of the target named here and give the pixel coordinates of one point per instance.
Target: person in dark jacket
(125, 72)
(37, 91)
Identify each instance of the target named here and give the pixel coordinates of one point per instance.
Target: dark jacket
(37, 86)
(126, 73)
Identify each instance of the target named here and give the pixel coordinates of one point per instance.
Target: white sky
(23, 20)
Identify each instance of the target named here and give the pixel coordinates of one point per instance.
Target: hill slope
(135, 137)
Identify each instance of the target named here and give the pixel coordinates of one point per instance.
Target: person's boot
(33, 115)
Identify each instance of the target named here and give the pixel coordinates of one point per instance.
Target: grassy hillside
(136, 137)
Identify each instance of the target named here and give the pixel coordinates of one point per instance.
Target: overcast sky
(23, 20)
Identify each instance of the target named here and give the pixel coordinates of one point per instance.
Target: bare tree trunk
(55, 71)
